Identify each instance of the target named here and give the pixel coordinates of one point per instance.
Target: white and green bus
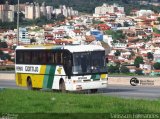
(65, 68)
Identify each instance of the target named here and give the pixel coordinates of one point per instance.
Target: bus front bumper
(89, 85)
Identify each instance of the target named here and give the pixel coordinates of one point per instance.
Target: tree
(21, 16)
(117, 53)
(156, 30)
(119, 25)
(124, 69)
(32, 40)
(132, 54)
(60, 17)
(6, 56)
(116, 35)
(126, 24)
(158, 19)
(148, 38)
(113, 69)
(157, 66)
(125, 1)
(138, 61)
(13, 47)
(3, 45)
(67, 37)
(139, 72)
(150, 56)
(40, 21)
(1, 53)
(7, 25)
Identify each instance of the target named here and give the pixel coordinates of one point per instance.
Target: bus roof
(71, 48)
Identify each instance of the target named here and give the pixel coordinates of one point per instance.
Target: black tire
(94, 90)
(62, 86)
(29, 84)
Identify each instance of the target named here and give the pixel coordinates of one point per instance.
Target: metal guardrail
(7, 72)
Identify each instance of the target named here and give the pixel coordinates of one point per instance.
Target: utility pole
(18, 23)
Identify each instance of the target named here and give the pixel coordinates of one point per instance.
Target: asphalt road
(133, 92)
(136, 92)
(8, 84)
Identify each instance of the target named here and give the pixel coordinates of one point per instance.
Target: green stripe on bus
(57, 47)
(46, 77)
(95, 77)
(51, 76)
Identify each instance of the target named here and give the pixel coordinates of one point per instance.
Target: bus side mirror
(69, 77)
(106, 60)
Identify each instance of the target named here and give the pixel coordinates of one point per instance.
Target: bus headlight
(77, 81)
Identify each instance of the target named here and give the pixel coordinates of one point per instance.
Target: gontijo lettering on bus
(28, 68)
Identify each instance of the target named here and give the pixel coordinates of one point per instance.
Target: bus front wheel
(29, 84)
(62, 86)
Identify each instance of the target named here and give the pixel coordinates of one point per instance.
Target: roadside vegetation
(7, 68)
(24, 101)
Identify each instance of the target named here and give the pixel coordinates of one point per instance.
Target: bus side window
(42, 58)
(53, 57)
(58, 58)
(61, 58)
(34, 57)
(27, 57)
(19, 57)
(50, 57)
(67, 63)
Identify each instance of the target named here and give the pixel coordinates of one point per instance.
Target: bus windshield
(89, 62)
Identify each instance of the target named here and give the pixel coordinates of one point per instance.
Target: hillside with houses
(132, 42)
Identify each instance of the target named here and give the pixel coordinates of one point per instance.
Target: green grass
(24, 101)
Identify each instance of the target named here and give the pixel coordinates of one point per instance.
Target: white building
(49, 10)
(6, 6)
(66, 11)
(105, 8)
(37, 10)
(26, 9)
(10, 16)
(102, 10)
(157, 55)
(34, 10)
(75, 13)
(29, 11)
(57, 11)
(120, 9)
(12, 8)
(23, 36)
(43, 9)
(7, 16)
(108, 39)
(120, 45)
(7, 12)
(146, 13)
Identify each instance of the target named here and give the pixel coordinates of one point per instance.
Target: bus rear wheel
(94, 90)
(62, 86)
(29, 84)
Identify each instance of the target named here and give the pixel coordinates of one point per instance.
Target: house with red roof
(103, 27)
(59, 34)
(155, 35)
